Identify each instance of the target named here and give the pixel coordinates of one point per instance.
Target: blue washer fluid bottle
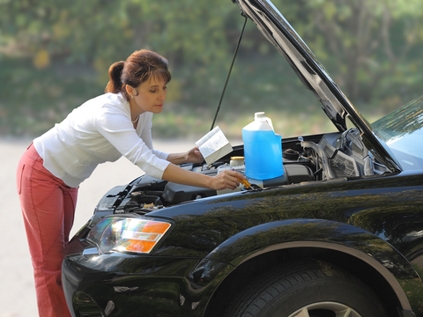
(262, 149)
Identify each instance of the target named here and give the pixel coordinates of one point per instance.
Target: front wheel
(306, 289)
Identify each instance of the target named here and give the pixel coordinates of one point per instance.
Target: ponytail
(115, 73)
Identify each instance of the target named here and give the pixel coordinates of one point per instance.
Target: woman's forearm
(177, 158)
(191, 156)
(179, 175)
(226, 179)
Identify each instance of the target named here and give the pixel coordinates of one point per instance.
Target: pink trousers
(48, 207)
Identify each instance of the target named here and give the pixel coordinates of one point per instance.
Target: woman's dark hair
(137, 68)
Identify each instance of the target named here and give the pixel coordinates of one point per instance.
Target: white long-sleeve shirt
(98, 131)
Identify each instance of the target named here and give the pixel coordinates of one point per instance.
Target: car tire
(306, 289)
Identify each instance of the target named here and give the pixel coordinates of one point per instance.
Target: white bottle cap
(260, 116)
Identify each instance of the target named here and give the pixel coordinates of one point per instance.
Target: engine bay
(318, 158)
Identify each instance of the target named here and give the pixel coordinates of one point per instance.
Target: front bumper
(118, 284)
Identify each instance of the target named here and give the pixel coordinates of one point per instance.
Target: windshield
(402, 132)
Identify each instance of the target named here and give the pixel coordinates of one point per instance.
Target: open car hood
(335, 104)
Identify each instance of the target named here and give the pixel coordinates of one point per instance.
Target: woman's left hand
(194, 156)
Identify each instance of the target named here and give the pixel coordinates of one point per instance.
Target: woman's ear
(129, 90)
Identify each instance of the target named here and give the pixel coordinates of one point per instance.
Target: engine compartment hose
(319, 151)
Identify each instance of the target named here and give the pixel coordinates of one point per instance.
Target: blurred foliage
(54, 54)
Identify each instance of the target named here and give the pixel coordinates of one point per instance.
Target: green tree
(54, 53)
(370, 46)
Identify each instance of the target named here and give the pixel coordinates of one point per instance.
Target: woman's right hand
(227, 179)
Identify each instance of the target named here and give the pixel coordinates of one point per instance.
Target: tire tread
(275, 283)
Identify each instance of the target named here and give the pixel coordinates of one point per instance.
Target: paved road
(17, 295)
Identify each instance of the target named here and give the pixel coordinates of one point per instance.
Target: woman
(117, 123)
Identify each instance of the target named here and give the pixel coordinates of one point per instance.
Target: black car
(340, 234)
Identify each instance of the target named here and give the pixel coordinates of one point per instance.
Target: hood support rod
(229, 74)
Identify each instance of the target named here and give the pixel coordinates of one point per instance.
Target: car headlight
(127, 234)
